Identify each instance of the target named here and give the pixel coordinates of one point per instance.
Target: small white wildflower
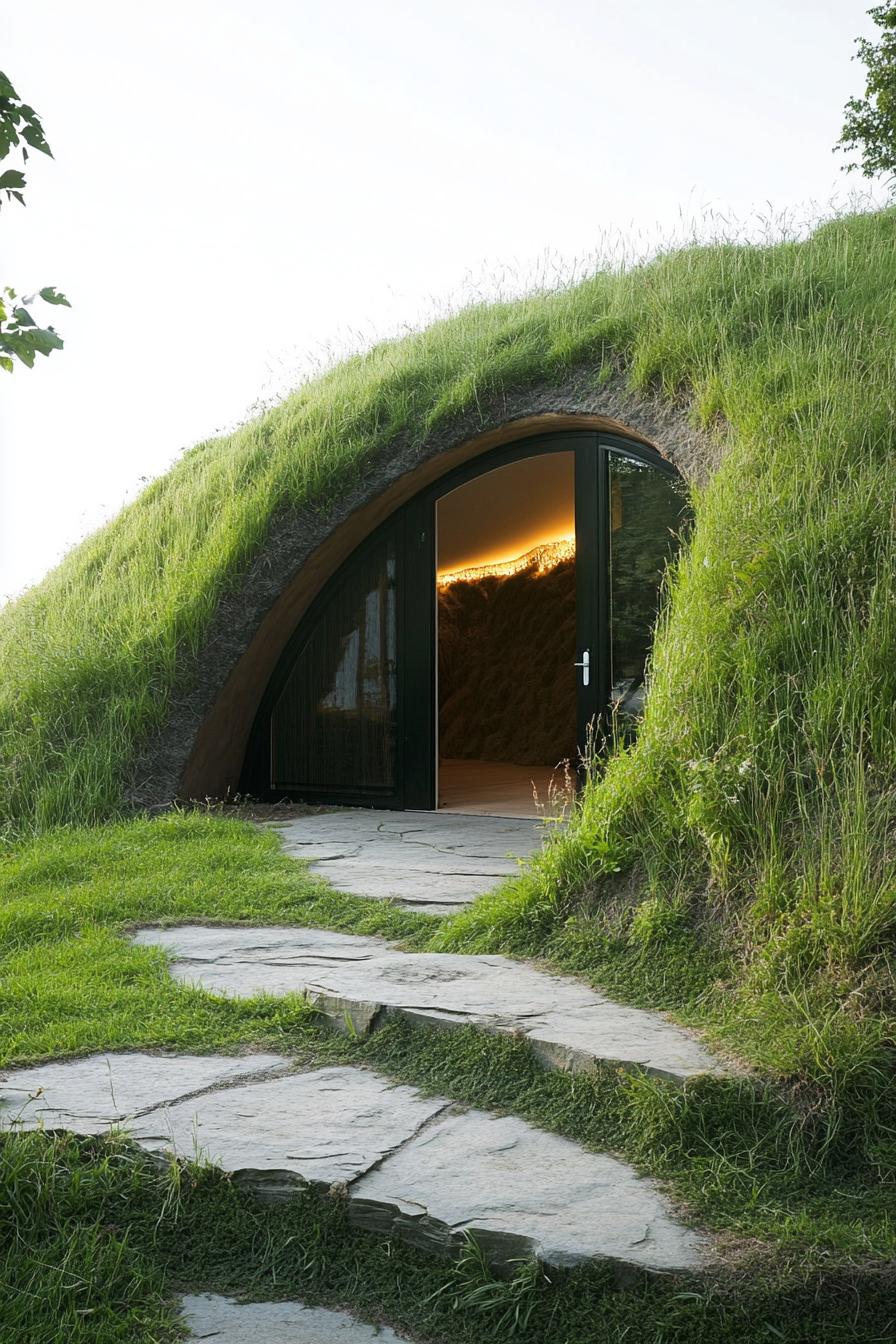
(745, 767)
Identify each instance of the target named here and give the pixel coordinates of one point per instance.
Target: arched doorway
(474, 641)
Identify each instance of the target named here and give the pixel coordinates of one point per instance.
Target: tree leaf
(33, 135)
(52, 295)
(45, 339)
(24, 345)
(26, 355)
(11, 179)
(6, 363)
(6, 89)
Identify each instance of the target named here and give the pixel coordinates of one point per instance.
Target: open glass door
(647, 507)
(490, 632)
(506, 637)
(630, 510)
(548, 574)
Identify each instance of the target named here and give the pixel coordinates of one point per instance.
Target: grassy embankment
(754, 819)
(736, 866)
(94, 1229)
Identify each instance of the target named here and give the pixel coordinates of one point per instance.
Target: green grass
(97, 1240)
(70, 984)
(736, 865)
(746, 1155)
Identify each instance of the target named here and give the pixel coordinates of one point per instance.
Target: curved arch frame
(414, 521)
(199, 747)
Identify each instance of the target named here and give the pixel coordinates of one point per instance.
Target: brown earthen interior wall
(506, 676)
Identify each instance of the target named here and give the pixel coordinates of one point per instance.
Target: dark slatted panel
(334, 725)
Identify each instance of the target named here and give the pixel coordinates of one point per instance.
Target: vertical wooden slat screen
(334, 726)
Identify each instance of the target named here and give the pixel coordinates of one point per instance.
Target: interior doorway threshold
(500, 789)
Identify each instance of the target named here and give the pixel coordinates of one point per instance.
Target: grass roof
(757, 807)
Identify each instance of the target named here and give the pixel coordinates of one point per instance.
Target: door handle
(585, 665)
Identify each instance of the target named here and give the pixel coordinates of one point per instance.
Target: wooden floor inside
(495, 788)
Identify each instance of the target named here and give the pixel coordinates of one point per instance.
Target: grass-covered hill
(789, 345)
(758, 802)
(736, 865)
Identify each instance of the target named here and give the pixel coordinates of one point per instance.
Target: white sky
(239, 188)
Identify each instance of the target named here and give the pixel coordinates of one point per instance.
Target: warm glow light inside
(540, 553)
(496, 519)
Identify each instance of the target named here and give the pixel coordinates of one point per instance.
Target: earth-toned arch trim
(199, 751)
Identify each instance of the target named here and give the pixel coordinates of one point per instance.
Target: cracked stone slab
(428, 861)
(426, 891)
(322, 1128)
(226, 1321)
(98, 1092)
(522, 1192)
(276, 1134)
(364, 980)
(410, 1166)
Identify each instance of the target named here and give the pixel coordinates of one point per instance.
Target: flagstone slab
(365, 980)
(226, 1321)
(523, 1192)
(410, 1166)
(433, 862)
(95, 1093)
(276, 1131)
(323, 1128)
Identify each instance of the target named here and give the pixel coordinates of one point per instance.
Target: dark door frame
(412, 527)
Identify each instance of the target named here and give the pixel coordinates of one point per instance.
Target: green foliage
(735, 865)
(20, 335)
(20, 128)
(69, 984)
(870, 123)
(96, 1238)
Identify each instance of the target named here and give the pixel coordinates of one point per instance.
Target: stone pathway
(208, 1316)
(416, 1167)
(366, 980)
(435, 862)
(420, 1168)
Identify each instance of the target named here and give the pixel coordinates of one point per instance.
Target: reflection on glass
(334, 725)
(647, 511)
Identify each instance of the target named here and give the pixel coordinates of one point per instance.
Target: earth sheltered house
(382, 591)
(455, 629)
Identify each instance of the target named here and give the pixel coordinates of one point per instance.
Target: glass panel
(647, 510)
(334, 725)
